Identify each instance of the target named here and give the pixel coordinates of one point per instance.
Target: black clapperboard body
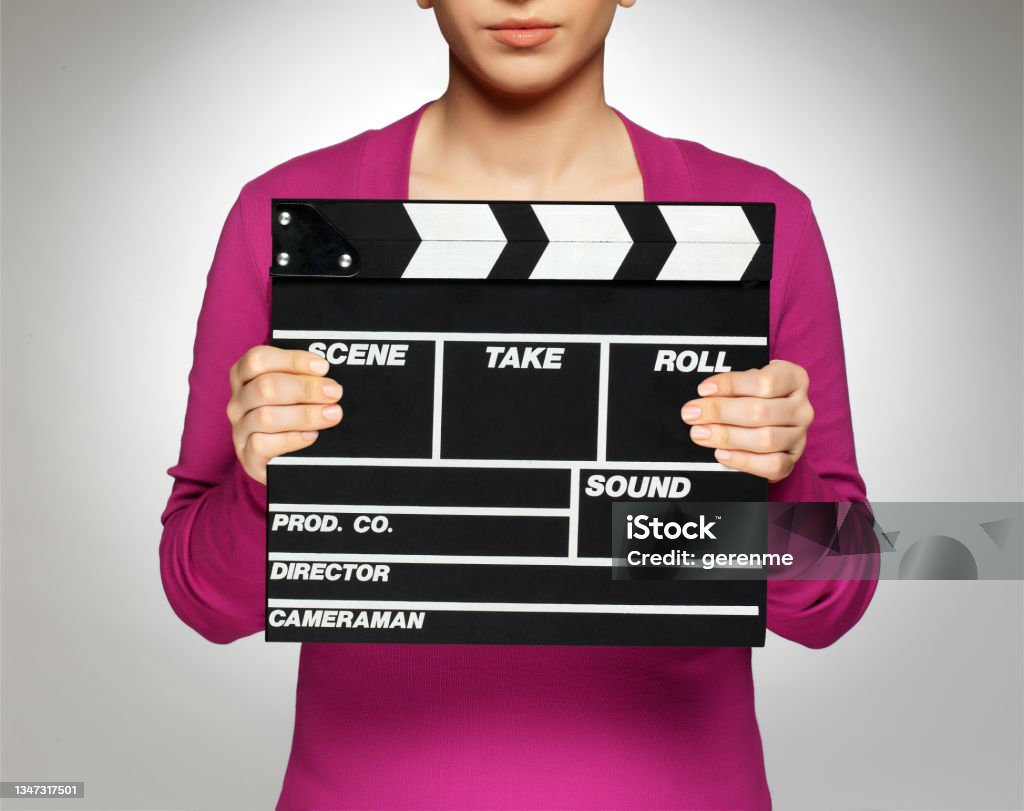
(511, 371)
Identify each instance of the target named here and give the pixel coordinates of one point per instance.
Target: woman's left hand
(756, 420)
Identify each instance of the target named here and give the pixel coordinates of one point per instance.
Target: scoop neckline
(414, 124)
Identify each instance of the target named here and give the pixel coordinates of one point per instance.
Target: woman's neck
(475, 142)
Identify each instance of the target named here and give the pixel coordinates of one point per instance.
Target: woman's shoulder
(327, 171)
(685, 169)
(336, 170)
(717, 174)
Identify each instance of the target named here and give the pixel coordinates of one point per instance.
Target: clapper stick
(513, 376)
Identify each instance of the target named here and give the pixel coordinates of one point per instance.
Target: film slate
(513, 375)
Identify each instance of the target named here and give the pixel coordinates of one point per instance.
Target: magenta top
(505, 726)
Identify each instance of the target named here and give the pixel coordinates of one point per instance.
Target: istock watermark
(740, 540)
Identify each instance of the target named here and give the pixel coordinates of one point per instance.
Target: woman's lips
(523, 33)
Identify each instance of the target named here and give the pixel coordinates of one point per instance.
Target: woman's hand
(279, 400)
(756, 420)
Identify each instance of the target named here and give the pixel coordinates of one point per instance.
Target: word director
(363, 572)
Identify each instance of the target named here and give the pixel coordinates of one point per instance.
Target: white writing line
(556, 608)
(536, 337)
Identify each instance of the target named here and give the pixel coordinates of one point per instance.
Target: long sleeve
(816, 612)
(212, 548)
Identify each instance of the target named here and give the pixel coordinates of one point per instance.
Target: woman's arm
(212, 550)
(816, 613)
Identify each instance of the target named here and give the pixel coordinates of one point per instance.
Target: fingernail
(319, 366)
(332, 390)
(722, 453)
(706, 388)
(309, 434)
(691, 413)
(332, 412)
(700, 432)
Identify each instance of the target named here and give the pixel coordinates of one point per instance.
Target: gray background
(128, 129)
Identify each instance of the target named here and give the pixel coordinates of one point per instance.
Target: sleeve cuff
(803, 484)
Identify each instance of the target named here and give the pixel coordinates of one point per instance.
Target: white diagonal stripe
(586, 242)
(708, 224)
(455, 221)
(707, 261)
(453, 260)
(581, 223)
(581, 260)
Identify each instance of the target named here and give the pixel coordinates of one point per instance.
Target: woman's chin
(523, 83)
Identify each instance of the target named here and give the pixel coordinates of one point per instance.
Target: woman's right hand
(280, 399)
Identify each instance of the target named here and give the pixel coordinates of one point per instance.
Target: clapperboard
(513, 375)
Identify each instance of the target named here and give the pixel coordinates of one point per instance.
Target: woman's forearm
(212, 554)
(817, 612)
(213, 546)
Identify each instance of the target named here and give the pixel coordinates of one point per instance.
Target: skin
(523, 124)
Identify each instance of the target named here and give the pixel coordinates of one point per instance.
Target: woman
(463, 726)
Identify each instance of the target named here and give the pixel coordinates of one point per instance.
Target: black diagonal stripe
(761, 217)
(760, 267)
(652, 241)
(526, 241)
(381, 231)
(644, 261)
(373, 220)
(645, 222)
